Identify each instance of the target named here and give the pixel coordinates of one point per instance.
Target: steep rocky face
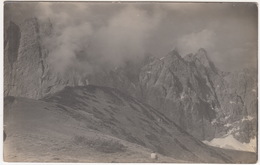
(204, 101)
(22, 58)
(27, 70)
(11, 45)
(244, 84)
(238, 98)
(182, 91)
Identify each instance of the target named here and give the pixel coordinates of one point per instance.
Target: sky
(112, 33)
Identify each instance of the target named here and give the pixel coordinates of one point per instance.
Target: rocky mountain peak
(189, 57)
(36, 26)
(174, 54)
(31, 24)
(172, 58)
(203, 52)
(201, 58)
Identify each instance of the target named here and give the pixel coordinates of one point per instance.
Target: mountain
(182, 91)
(191, 91)
(202, 100)
(25, 52)
(28, 58)
(99, 124)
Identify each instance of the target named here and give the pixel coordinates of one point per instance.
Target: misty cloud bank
(191, 42)
(87, 35)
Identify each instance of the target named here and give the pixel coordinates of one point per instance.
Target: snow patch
(229, 142)
(250, 117)
(162, 58)
(247, 118)
(227, 117)
(233, 130)
(182, 95)
(214, 121)
(237, 133)
(231, 102)
(227, 125)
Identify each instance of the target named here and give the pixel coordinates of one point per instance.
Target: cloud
(124, 37)
(112, 33)
(65, 45)
(119, 38)
(190, 43)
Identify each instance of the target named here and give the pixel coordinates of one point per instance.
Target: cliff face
(28, 72)
(183, 91)
(239, 99)
(201, 99)
(191, 91)
(24, 60)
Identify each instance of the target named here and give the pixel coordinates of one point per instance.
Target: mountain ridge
(191, 90)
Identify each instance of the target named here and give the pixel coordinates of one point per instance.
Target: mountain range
(169, 104)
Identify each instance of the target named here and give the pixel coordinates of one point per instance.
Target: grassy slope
(40, 132)
(94, 124)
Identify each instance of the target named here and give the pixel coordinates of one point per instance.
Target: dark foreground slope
(98, 124)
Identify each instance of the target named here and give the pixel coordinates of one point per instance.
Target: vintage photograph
(130, 82)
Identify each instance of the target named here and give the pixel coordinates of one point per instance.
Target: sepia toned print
(135, 82)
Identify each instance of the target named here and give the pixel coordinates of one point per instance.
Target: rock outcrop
(27, 69)
(203, 100)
